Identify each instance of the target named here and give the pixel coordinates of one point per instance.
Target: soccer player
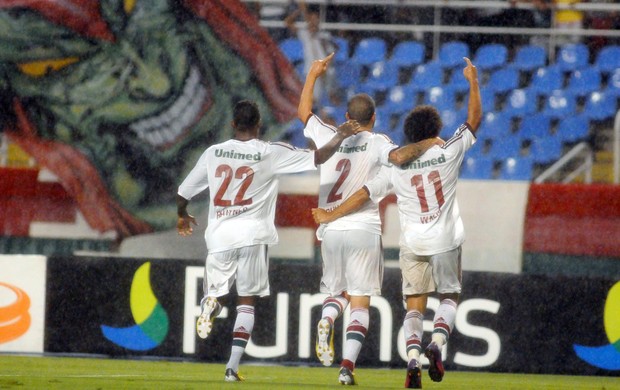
(351, 247)
(242, 175)
(431, 227)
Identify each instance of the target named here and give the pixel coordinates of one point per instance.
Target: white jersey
(358, 159)
(243, 182)
(430, 221)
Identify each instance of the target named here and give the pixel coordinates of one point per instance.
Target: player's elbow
(396, 158)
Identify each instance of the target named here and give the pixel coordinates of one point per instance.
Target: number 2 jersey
(358, 159)
(430, 221)
(242, 177)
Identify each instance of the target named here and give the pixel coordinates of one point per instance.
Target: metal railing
(581, 150)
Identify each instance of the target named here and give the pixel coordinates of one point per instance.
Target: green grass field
(19, 372)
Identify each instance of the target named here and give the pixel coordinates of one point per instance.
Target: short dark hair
(421, 123)
(246, 115)
(361, 108)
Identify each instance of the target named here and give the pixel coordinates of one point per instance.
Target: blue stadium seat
(613, 84)
(506, 147)
(451, 120)
(573, 56)
(480, 168)
(584, 81)
(491, 56)
(521, 168)
(407, 54)
(382, 75)
(528, 58)
(503, 80)
(400, 99)
(560, 103)
(451, 54)
(293, 50)
(295, 134)
(574, 129)
(369, 50)
(342, 49)
(608, 59)
(427, 76)
(546, 150)
(520, 102)
(458, 82)
(495, 125)
(535, 126)
(441, 98)
(488, 99)
(600, 106)
(348, 74)
(545, 80)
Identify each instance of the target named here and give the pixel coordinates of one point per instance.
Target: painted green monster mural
(119, 98)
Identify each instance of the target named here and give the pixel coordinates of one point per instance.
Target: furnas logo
(14, 316)
(607, 356)
(151, 319)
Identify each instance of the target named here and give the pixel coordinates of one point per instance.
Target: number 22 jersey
(242, 177)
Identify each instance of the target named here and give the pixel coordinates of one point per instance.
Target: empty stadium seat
(506, 147)
(480, 167)
(495, 125)
(573, 56)
(293, 50)
(369, 50)
(517, 169)
(503, 80)
(546, 150)
(491, 56)
(608, 59)
(584, 81)
(600, 106)
(545, 80)
(560, 103)
(574, 129)
(342, 49)
(528, 58)
(348, 74)
(427, 76)
(520, 102)
(400, 99)
(382, 75)
(458, 82)
(535, 126)
(451, 120)
(613, 84)
(407, 54)
(441, 98)
(451, 54)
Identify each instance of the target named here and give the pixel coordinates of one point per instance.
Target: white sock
(355, 335)
(443, 323)
(413, 328)
(333, 307)
(244, 323)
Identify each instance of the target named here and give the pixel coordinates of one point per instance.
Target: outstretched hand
(184, 225)
(470, 72)
(349, 128)
(319, 67)
(320, 215)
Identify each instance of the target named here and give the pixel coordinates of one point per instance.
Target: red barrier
(573, 219)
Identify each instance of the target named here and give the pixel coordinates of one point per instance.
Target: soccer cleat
(414, 375)
(435, 370)
(325, 343)
(346, 377)
(211, 308)
(232, 376)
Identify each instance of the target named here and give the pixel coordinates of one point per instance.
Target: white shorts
(249, 265)
(424, 274)
(352, 262)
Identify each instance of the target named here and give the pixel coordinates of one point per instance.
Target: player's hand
(319, 67)
(184, 225)
(321, 215)
(439, 141)
(349, 128)
(470, 72)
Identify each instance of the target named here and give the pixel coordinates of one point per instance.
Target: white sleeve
(380, 185)
(384, 146)
(318, 131)
(197, 180)
(288, 159)
(461, 141)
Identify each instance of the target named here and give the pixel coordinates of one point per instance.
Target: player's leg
(252, 282)
(363, 253)
(220, 270)
(417, 282)
(333, 282)
(447, 275)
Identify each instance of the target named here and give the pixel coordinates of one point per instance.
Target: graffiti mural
(119, 98)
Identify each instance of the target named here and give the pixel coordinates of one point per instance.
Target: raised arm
(350, 205)
(410, 152)
(318, 68)
(474, 107)
(326, 151)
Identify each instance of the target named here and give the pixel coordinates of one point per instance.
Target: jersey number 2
(244, 173)
(344, 166)
(418, 183)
